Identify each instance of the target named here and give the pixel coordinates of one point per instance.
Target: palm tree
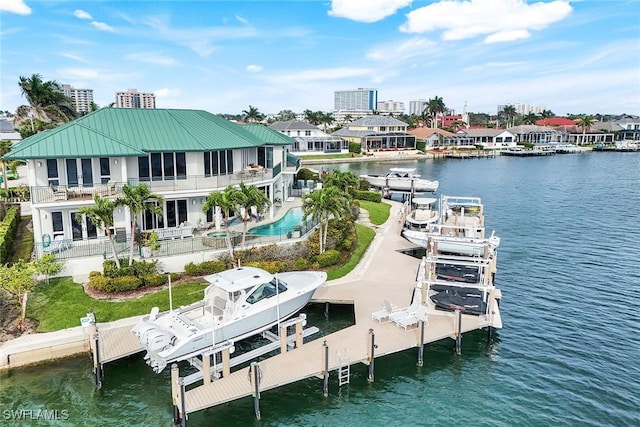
(531, 118)
(138, 200)
(434, 107)
(5, 148)
(101, 215)
(326, 119)
(252, 115)
(546, 114)
(313, 117)
(47, 102)
(585, 122)
(286, 115)
(321, 205)
(347, 182)
(227, 201)
(248, 197)
(509, 113)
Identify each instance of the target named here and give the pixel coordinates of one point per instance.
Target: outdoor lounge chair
(412, 318)
(406, 311)
(58, 244)
(382, 316)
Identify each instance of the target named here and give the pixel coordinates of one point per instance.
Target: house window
(56, 222)
(52, 171)
(218, 162)
(105, 170)
(176, 212)
(150, 220)
(265, 157)
(307, 133)
(162, 167)
(383, 128)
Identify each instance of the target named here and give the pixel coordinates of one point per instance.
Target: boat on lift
(401, 179)
(237, 303)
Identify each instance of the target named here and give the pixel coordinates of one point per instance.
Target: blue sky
(571, 57)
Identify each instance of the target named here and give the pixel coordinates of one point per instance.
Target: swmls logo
(35, 414)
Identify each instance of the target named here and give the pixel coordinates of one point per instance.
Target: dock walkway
(384, 273)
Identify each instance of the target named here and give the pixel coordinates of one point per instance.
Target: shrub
(270, 266)
(125, 283)
(330, 257)
(145, 268)
(371, 196)
(100, 283)
(355, 147)
(153, 280)
(301, 264)
(347, 244)
(204, 268)
(110, 269)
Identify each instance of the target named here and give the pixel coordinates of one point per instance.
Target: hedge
(371, 196)
(204, 268)
(8, 229)
(330, 257)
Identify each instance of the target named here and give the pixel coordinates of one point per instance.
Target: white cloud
(166, 93)
(15, 6)
(366, 10)
(397, 51)
(152, 58)
(242, 20)
(74, 57)
(254, 68)
(498, 20)
(102, 26)
(81, 14)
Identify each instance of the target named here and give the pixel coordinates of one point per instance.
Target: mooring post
(97, 365)
(421, 348)
(283, 338)
(372, 356)
(206, 368)
(256, 389)
(459, 332)
(325, 381)
(175, 394)
(326, 310)
(226, 365)
(183, 404)
(488, 334)
(299, 337)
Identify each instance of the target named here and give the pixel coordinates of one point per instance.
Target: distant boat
(238, 303)
(401, 179)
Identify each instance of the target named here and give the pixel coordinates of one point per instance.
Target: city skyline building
(134, 99)
(81, 98)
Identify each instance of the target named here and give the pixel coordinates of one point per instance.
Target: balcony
(58, 193)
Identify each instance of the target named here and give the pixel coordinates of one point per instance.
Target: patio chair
(413, 318)
(382, 316)
(58, 244)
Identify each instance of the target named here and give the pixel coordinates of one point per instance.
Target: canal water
(569, 353)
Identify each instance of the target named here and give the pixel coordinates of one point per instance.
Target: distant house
(7, 132)
(309, 139)
(378, 133)
(488, 138)
(433, 137)
(182, 155)
(532, 134)
(630, 128)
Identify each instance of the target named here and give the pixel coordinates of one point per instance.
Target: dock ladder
(344, 367)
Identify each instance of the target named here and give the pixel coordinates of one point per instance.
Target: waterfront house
(488, 138)
(309, 139)
(432, 137)
(182, 155)
(378, 133)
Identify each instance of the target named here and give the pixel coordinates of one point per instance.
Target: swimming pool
(282, 226)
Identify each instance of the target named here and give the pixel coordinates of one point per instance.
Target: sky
(570, 57)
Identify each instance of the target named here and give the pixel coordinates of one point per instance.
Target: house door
(82, 228)
(79, 172)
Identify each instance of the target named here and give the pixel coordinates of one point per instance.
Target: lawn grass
(23, 244)
(61, 303)
(365, 237)
(378, 212)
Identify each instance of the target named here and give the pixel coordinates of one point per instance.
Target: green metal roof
(268, 136)
(111, 132)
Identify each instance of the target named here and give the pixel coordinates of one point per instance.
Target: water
(282, 226)
(569, 269)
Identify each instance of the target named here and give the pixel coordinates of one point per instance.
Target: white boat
(238, 303)
(420, 213)
(402, 179)
(464, 246)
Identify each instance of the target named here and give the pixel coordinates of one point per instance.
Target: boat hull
(402, 184)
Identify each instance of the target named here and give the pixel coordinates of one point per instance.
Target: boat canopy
(424, 201)
(239, 278)
(403, 170)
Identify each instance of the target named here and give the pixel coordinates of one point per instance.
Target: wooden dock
(385, 273)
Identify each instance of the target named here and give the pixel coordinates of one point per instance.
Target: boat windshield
(266, 290)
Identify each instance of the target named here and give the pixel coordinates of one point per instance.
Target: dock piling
(489, 334)
(326, 310)
(372, 337)
(459, 331)
(421, 347)
(183, 404)
(175, 394)
(97, 365)
(255, 377)
(325, 380)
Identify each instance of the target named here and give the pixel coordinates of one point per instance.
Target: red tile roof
(555, 121)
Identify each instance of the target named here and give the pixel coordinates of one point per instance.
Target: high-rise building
(523, 109)
(356, 100)
(417, 106)
(390, 107)
(81, 98)
(134, 99)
